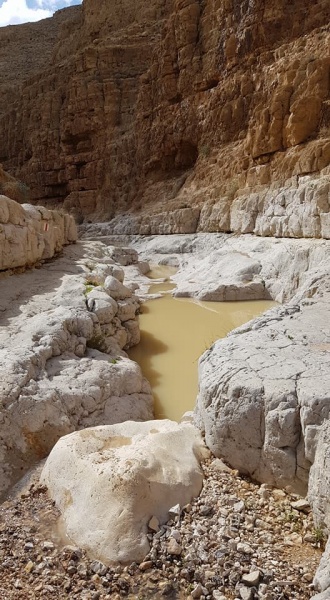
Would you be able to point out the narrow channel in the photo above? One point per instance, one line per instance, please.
(174, 334)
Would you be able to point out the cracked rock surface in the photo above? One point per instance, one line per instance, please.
(62, 363)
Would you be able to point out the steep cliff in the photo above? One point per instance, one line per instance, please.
(189, 115)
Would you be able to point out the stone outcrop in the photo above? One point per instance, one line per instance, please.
(264, 394)
(318, 494)
(224, 267)
(263, 389)
(187, 116)
(62, 363)
(136, 470)
(30, 234)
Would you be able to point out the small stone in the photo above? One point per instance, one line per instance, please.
(28, 546)
(278, 495)
(173, 547)
(239, 506)
(220, 466)
(154, 524)
(72, 569)
(296, 539)
(144, 566)
(244, 548)
(310, 538)
(262, 589)
(216, 595)
(251, 579)
(82, 570)
(176, 535)
(48, 546)
(18, 584)
(197, 591)
(29, 567)
(301, 505)
(98, 567)
(206, 510)
(175, 511)
(246, 593)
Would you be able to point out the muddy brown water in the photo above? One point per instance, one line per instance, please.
(174, 334)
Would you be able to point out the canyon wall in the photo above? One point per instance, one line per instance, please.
(186, 115)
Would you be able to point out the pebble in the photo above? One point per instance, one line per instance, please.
(154, 524)
(251, 579)
(225, 545)
(302, 505)
(175, 511)
(246, 593)
(173, 547)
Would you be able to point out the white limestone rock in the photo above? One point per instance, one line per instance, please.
(223, 276)
(62, 366)
(319, 480)
(108, 482)
(116, 289)
(322, 577)
(102, 305)
(29, 234)
(264, 394)
(217, 263)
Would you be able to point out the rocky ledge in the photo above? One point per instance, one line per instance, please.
(62, 361)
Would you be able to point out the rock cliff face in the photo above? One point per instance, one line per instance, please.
(189, 115)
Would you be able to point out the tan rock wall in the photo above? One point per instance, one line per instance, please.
(29, 233)
(155, 108)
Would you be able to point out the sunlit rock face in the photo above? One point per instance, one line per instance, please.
(193, 118)
(110, 481)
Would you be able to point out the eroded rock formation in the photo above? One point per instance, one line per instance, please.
(62, 363)
(136, 470)
(216, 111)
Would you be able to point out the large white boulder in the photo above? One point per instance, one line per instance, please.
(109, 481)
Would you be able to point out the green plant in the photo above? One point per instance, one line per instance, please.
(96, 342)
(90, 285)
(319, 536)
(291, 517)
(205, 150)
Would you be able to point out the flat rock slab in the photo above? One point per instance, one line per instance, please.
(109, 481)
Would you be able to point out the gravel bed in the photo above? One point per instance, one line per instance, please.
(238, 540)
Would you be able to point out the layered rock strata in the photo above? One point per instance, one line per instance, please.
(188, 116)
(30, 234)
(61, 359)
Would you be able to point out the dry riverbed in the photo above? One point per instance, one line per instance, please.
(237, 540)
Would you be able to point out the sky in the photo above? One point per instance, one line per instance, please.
(21, 11)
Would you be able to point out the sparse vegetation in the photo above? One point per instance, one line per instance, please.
(205, 150)
(320, 537)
